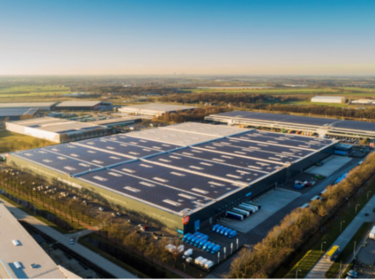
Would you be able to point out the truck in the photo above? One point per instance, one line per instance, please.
(215, 249)
(186, 236)
(254, 203)
(227, 232)
(215, 227)
(205, 245)
(209, 247)
(372, 233)
(218, 229)
(223, 230)
(232, 234)
(333, 253)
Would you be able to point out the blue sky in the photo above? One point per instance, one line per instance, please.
(193, 37)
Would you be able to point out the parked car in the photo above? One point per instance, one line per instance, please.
(71, 241)
(317, 176)
(319, 163)
(101, 208)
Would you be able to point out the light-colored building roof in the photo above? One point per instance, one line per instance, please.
(363, 101)
(328, 98)
(16, 245)
(56, 125)
(160, 107)
(201, 128)
(78, 104)
(187, 134)
(114, 121)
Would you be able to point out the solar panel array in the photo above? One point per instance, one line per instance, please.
(173, 176)
(17, 112)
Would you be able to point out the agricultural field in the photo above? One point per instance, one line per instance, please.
(23, 91)
(273, 91)
(10, 142)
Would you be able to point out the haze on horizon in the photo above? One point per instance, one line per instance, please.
(145, 37)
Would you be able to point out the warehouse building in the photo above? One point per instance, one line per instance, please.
(42, 106)
(186, 175)
(18, 114)
(363, 102)
(154, 109)
(20, 255)
(57, 130)
(321, 126)
(329, 99)
(84, 106)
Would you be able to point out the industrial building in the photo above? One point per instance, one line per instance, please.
(329, 99)
(57, 130)
(186, 175)
(154, 109)
(20, 255)
(117, 122)
(320, 126)
(83, 106)
(18, 114)
(363, 102)
(42, 106)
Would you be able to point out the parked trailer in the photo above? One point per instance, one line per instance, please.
(315, 198)
(234, 216)
(244, 212)
(256, 204)
(247, 208)
(255, 209)
(238, 212)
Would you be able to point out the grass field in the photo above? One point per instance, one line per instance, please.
(33, 91)
(10, 141)
(275, 91)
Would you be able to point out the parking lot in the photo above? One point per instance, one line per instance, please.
(330, 165)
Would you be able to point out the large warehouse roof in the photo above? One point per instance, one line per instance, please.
(154, 109)
(78, 104)
(56, 125)
(185, 166)
(329, 126)
(16, 245)
(17, 112)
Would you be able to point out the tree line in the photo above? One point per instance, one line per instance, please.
(299, 225)
(221, 98)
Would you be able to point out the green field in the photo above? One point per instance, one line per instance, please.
(10, 142)
(33, 91)
(275, 91)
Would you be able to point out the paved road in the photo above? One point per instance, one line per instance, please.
(257, 234)
(95, 258)
(322, 266)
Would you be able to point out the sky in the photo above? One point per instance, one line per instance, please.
(158, 37)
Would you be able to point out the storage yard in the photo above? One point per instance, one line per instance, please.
(298, 124)
(185, 176)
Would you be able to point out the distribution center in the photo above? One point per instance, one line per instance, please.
(183, 175)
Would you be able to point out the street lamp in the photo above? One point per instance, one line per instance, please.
(341, 225)
(297, 272)
(368, 194)
(321, 246)
(356, 208)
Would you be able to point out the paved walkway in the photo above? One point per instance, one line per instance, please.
(323, 265)
(95, 258)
